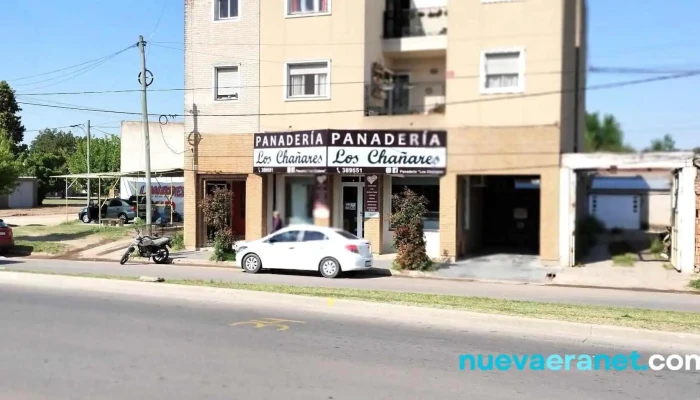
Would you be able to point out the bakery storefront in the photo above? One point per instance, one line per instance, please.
(345, 178)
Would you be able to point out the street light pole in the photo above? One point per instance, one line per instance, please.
(89, 193)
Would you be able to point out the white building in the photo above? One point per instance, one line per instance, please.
(167, 152)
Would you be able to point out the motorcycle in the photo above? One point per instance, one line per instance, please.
(148, 247)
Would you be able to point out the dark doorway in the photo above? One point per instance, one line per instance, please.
(511, 214)
(236, 216)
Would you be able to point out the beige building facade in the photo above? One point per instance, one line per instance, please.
(495, 81)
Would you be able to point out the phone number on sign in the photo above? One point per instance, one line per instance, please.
(349, 170)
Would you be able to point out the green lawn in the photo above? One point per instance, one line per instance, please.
(71, 230)
(33, 239)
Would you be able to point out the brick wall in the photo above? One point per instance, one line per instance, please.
(227, 157)
(212, 43)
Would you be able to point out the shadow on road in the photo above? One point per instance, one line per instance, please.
(370, 274)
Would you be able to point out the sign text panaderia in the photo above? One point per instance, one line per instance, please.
(412, 152)
(290, 152)
(385, 151)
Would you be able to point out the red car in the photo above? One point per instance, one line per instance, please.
(7, 241)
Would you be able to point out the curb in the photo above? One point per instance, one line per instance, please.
(414, 316)
(380, 272)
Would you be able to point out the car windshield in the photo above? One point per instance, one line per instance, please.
(3, 224)
(346, 234)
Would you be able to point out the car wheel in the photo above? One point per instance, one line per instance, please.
(251, 263)
(86, 218)
(329, 267)
(123, 217)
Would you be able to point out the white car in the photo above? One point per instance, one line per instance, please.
(307, 247)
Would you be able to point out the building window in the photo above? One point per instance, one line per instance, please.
(227, 83)
(503, 71)
(428, 188)
(307, 7)
(225, 10)
(298, 195)
(308, 80)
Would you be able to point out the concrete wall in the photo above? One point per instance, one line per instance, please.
(166, 141)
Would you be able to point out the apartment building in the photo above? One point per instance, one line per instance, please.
(324, 109)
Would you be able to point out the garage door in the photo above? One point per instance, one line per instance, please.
(616, 211)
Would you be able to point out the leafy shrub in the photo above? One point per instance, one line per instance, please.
(178, 241)
(222, 245)
(409, 240)
(216, 208)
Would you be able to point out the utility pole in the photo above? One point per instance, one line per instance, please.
(88, 162)
(146, 138)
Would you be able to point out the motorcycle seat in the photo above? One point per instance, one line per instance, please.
(161, 241)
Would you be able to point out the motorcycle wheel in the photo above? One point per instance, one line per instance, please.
(161, 256)
(125, 257)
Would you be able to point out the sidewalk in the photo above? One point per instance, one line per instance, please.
(648, 277)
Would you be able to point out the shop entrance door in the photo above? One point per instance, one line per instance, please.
(353, 207)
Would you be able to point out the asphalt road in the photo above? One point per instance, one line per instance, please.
(553, 294)
(88, 345)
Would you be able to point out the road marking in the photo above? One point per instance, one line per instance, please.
(330, 302)
(265, 322)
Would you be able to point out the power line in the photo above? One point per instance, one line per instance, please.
(613, 70)
(264, 86)
(67, 68)
(611, 85)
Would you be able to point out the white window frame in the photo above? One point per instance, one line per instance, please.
(285, 71)
(521, 73)
(215, 12)
(215, 83)
(287, 14)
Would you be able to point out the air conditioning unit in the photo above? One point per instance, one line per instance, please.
(478, 181)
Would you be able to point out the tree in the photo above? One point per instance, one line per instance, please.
(666, 143)
(605, 135)
(104, 156)
(696, 150)
(10, 121)
(216, 209)
(9, 168)
(409, 240)
(48, 156)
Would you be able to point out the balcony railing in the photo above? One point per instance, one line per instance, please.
(415, 22)
(405, 98)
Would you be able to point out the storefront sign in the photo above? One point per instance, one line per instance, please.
(290, 152)
(371, 196)
(389, 152)
(351, 152)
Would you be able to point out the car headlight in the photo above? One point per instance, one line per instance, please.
(241, 248)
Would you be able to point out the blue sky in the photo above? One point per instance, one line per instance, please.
(53, 35)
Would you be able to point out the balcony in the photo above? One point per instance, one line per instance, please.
(415, 31)
(405, 98)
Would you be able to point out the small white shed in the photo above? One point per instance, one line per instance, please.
(24, 196)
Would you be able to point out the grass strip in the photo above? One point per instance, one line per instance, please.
(671, 321)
